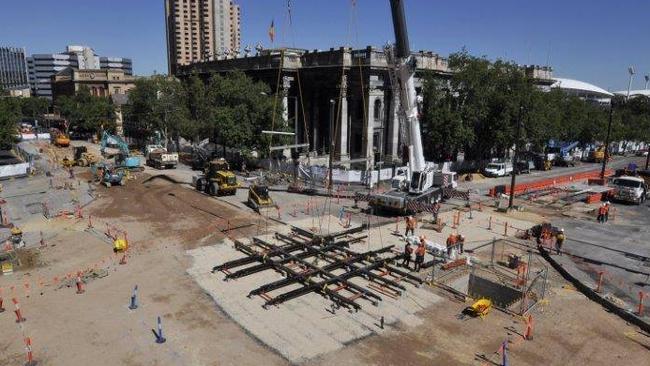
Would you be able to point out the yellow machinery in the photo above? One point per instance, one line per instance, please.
(84, 158)
(481, 307)
(120, 245)
(62, 140)
(258, 198)
(218, 179)
(597, 155)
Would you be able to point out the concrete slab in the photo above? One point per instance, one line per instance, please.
(302, 328)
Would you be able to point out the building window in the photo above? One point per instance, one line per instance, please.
(377, 110)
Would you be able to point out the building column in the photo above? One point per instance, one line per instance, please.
(286, 84)
(393, 129)
(344, 153)
(370, 131)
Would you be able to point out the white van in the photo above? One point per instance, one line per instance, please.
(498, 169)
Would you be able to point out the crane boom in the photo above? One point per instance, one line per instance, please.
(405, 70)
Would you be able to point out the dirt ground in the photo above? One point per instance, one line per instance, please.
(163, 220)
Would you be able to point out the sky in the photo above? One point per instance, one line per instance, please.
(589, 40)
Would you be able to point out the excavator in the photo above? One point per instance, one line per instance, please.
(426, 182)
(123, 159)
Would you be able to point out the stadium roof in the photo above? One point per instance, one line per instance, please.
(581, 87)
(634, 93)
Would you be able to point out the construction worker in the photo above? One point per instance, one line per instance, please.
(451, 243)
(607, 207)
(410, 225)
(408, 253)
(419, 255)
(461, 243)
(559, 241)
(602, 210)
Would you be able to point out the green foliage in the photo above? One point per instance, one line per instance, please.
(477, 111)
(86, 112)
(10, 114)
(231, 110)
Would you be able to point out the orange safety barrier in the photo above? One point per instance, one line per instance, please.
(522, 187)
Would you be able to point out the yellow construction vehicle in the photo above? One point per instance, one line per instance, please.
(597, 155)
(218, 179)
(62, 140)
(66, 163)
(84, 158)
(259, 199)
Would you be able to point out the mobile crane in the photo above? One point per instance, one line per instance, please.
(426, 181)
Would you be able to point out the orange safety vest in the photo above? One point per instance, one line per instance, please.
(410, 223)
(420, 250)
(451, 240)
(602, 210)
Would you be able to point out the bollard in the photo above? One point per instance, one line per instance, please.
(505, 229)
(640, 310)
(28, 349)
(599, 287)
(529, 329)
(80, 287)
(134, 299)
(160, 339)
(19, 315)
(504, 354)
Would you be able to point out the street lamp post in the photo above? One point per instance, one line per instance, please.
(630, 70)
(647, 79)
(609, 131)
(511, 201)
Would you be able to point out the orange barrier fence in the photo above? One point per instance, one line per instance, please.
(549, 182)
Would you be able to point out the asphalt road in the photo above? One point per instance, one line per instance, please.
(484, 185)
(620, 248)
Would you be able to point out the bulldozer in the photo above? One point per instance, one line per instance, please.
(259, 199)
(217, 179)
(84, 158)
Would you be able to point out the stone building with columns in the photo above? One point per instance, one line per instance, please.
(363, 119)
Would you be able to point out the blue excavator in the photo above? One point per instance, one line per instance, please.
(123, 159)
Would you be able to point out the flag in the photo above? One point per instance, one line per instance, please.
(272, 31)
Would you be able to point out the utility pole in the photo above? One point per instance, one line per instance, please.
(647, 158)
(332, 143)
(511, 202)
(609, 131)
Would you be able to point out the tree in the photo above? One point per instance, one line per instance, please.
(85, 112)
(158, 103)
(10, 114)
(240, 109)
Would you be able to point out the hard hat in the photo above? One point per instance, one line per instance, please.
(421, 237)
(562, 230)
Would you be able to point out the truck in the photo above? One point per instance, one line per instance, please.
(629, 189)
(158, 157)
(498, 169)
(426, 182)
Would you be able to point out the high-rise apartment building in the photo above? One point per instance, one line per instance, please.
(13, 68)
(43, 66)
(200, 30)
